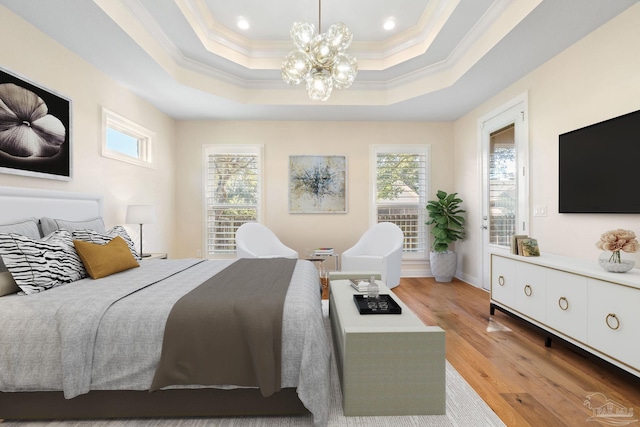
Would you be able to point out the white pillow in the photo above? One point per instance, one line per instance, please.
(49, 225)
(38, 265)
(27, 227)
(106, 237)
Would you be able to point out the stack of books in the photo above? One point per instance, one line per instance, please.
(524, 245)
(360, 285)
(323, 251)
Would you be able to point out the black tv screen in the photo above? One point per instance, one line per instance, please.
(600, 167)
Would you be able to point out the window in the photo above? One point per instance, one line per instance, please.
(232, 193)
(503, 186)
(125, 140)
(401, 193)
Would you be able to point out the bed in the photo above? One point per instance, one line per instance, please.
(90, 348)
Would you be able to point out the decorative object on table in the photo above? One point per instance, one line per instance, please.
(323, 251)
(360, 285)
(35, 136)
(528, 247)
(385, 305)
(141, 214)
(613, 242)
(317, 184)
(319, 59)
(373, 294)
(514, 242)
(448, 226)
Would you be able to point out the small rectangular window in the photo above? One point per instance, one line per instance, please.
(125, 140)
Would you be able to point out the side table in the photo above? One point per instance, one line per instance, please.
(156, 255)
(336, 259)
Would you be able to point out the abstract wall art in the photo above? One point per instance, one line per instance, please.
(317, 184)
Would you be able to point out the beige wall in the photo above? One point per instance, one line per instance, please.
(50, 65)
(281, 139)
(595, 79)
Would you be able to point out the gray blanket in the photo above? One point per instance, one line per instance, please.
(229, 329)
(106, 334)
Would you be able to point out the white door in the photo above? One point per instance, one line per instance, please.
(505, 183)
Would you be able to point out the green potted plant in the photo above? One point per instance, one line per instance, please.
(448, 226)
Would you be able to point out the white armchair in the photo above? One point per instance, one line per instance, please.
(254, 240)
(379, 249)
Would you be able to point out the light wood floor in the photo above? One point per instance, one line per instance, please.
(524, 382)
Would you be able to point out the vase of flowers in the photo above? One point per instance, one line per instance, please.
(614, 242)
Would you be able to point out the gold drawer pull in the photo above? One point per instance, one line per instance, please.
(563, 304)
(501, 280)
(528, 291)
(612, 316)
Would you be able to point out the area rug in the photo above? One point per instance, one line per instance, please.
(464, 408)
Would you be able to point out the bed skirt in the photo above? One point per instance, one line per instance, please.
(204, 402)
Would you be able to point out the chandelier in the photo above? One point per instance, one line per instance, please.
(320, 60)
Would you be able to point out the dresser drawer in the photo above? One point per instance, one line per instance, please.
(503, 280)
(531, 290)
(567, 304)
(614, 321)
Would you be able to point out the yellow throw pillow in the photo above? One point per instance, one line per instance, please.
(104, 260)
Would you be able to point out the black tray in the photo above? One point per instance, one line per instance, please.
(363, 305)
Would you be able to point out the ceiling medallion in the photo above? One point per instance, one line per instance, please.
(320, 59)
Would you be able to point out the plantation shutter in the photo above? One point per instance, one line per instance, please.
(401, 190)
(232, 194)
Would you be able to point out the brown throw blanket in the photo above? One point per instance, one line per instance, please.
(229, 329)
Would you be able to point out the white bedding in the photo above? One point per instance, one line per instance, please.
(107, 334)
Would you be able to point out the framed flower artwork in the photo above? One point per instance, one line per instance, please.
(35, 129)
(317, 184)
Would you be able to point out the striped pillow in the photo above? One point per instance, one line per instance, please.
(103, 238)
(38, 265)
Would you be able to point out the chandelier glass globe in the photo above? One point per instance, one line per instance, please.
(296, 67)
(322, 51)
(302, 33)
(339, 36)
(344, 70)
(319, 84)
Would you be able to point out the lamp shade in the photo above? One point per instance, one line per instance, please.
(141, 214)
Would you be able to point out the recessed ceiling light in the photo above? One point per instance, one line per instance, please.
(242, 23)
(389, 24)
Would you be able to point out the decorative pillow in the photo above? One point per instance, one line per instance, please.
(49, 225)
(104, 260)
(106, 237)
(7, 284)
(38, 265)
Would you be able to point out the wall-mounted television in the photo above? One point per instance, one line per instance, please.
(599, 167)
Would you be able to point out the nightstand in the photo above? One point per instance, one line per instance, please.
(156, 255)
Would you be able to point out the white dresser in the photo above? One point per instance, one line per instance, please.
(575, 300)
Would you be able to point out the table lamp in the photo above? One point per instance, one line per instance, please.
(141, 214)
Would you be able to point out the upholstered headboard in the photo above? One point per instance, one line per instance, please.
(20, 203)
